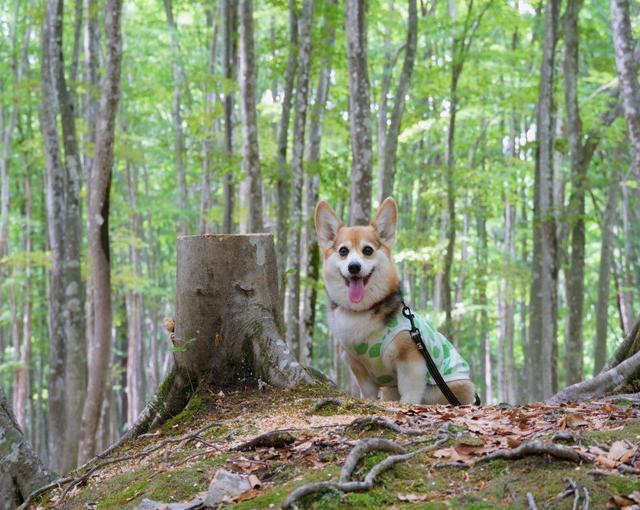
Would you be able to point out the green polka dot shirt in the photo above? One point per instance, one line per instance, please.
(370, 352)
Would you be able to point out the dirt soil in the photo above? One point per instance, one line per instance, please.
(605, 435)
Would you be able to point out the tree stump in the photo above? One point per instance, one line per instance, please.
(21, 471)
(228, 327)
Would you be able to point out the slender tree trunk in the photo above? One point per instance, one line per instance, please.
(100, 349)
(22, 380)
(282, 188)
(295, 224)
(312, 256)
(506, 311)
(544, 271)
(604, 278)
(359, 112)
(483, 302)
(250, 150)
(210, 131)
(574, 344)
(179, 80)
(66, 322)
(135, 313)
(627, 72)
(404, 80)
(229, 64)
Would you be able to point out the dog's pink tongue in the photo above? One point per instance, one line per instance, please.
(356, 290)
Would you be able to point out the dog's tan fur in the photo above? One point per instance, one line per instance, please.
(352, 322)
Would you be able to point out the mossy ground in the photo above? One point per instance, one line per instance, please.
(180, 470)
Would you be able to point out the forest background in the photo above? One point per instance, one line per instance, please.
(499, 127)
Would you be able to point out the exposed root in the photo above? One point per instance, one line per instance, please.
(376, 421)
(179, 439)
(320, 404)
(273, 439)
(361, 448)
(531, 502)
(364, 447)
(535, 447)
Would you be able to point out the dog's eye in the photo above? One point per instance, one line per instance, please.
(367, 250)
(344, 251)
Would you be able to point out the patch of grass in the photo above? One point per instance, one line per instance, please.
(630, 431)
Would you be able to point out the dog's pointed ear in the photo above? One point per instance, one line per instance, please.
(386, 220)
(327, 224)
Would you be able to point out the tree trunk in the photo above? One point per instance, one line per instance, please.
(67, 351)
(604, 278)
(506, 311)
(21, 471)
(22, 377)
(100, 349)
(134, 311)
(282, 188)
(229, 64)
(574, 344)
(544, 271)
(404, 80)
(359, 112)
(228, 323)
(250, 151)
(627, 72)
(312, 252)
(179, 81)
(292, 311)
(209, 144)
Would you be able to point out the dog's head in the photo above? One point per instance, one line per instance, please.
(358, 267)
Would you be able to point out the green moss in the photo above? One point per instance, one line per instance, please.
(630, 431)
(197, 405)
(624, 484)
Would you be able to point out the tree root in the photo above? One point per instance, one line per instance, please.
(623, 365)
(362, 448)
(376, 421)
(320, 404)
(535, 447)
(273, 439)
(183, 439)
(531, 502)
(373, 444)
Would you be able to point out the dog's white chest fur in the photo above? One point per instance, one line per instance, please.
(351, 328)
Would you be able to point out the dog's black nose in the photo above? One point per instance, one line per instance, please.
(354, 267)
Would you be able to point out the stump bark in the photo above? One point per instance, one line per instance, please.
(21, 471)
(228, 328)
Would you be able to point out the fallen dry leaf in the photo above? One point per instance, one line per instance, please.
(413, 498)
(572, 421)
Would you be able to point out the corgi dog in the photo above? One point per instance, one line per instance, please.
(363, 287)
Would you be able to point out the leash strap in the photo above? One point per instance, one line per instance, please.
(431, 365)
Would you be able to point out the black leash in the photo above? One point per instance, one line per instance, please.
(431, 365)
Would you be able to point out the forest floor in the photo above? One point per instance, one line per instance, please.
(601, 437)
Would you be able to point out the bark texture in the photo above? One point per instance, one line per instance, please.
(604, 278)
(21, 471)
(574, 344)
(228, 319)
(100, 348)
(627, 72)
(67, 351)
(282, 189)
(229, 65)
(297, 178)
(179, 81)
(250, 151)
(543, 303)
(388, 165)
(359, 112)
